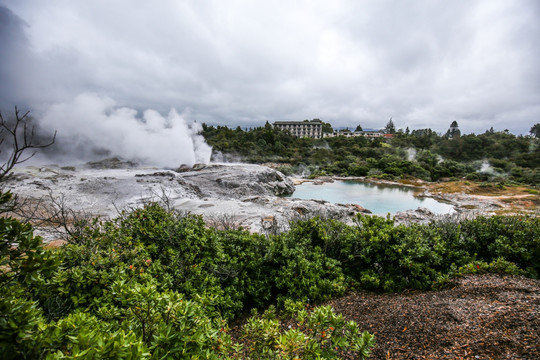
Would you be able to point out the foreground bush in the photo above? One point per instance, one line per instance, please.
(159, 284)
(150, 284)
(316, 334)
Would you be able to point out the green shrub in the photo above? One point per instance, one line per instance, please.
(20, 321)
(156, 284)
(301, 270)
(316, 334)
(81, 335)
(21, 252)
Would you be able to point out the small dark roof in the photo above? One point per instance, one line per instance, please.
(297, 122)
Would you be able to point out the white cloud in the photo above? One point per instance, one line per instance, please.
(425, 63)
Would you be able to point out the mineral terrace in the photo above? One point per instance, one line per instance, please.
(250, 196)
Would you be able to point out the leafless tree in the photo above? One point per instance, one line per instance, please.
(161, 196)
(222, 221)
(21, 138)
(52, 215)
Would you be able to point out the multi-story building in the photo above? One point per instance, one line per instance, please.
(367, 134)
(306, 128)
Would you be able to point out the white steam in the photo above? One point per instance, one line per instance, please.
(93, 127)
(487, 168)
(411, 154)
(322, 145)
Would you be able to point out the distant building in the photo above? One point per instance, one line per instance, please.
(306, 128)
(368, 134)
(313, 129)
(371, 134)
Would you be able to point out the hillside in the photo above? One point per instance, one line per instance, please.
(492, 156)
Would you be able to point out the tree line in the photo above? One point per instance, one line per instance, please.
(420, 153)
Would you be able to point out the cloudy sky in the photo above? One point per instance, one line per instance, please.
(424, 63)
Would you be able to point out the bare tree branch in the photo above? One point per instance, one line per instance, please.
(22, 140)
(222, 221)
(52, 215)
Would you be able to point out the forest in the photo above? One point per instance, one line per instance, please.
(496, 156)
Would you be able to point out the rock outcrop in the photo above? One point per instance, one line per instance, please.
(237, 181)
(212, 190)
(111, 163)
(420, 215)
(251, 196)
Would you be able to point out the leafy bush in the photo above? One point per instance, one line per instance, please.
(303, 272)
(20, 320)
(378, 255)
(155, 283)
(21, 252)
(81, 335)
(311, 334)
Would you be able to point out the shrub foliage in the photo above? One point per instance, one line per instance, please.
(155, 283)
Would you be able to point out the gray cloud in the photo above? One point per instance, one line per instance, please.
(239, 63)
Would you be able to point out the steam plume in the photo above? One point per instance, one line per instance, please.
(411, 154)
(92, 127)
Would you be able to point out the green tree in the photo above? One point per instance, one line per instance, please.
(453, 131)
(327, 128)
(359, 128)
(390, 128)
(535, 130)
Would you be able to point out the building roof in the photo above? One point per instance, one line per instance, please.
(315, 122)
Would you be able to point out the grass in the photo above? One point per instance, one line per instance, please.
(483, 189)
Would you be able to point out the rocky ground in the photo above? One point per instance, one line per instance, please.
(229, 195)
(486, 198)
(476, 317)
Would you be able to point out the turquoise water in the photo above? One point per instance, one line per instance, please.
(379, 199)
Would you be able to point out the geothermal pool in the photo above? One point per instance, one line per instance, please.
(379, 199)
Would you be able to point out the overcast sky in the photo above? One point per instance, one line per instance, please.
(424, 63)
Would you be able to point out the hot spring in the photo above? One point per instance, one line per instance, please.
(379, 199)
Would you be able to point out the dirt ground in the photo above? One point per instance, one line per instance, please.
(476, 317)
(507, 199)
